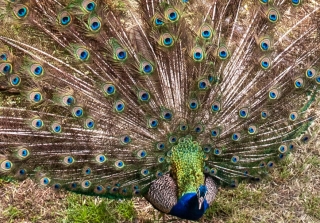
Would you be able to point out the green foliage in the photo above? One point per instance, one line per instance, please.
(96, 210)
(12, 213)
(312, 205)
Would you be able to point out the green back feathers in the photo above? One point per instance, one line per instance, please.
(187, 162)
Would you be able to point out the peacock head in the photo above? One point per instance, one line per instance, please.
(201, 195)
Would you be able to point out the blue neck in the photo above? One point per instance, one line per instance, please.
(188, 207)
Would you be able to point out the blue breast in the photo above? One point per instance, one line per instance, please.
(188, 207)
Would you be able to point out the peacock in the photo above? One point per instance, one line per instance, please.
(169, 99)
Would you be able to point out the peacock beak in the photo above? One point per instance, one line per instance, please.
(200, 202)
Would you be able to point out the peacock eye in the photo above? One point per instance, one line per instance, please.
(94, 24)
(77, 112)
(64, 18)
(88, 5)
(273, 15)
(15, 80)
(82, 54)
(20, 11)
(143, 96)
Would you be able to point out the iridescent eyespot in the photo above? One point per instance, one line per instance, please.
(94, 24)
(252, 129)
(82, 54)
(4, 57)
(142, 153)
(45, 181)
(264, 1)
(296, 2)
(183, 127)
(236, 136)
(265, 63)
(145, 172)
(35, 97)
(274, 94)
(20, 11)
(216, 107)
(235, 159)
(206, 32)
(88, 5)
(270, 164)
(206, 148)
(172, 15)
(158, 21)
(87, 170)
(311, 72)
(15, 80)
(23, 153)
(68, 160)
(305, 138)
(213, 172)
(119, 164)
(109, 89)
(36, 70)
(99, 189)
(6, 165)
(56, 127)
(293, 116)
(198, 54)
(264, 114)
(146, 68)
(121, 54)
(101, 158)
(291, 147)
(37, 123)
(153, 123)
(223, 52)
(64, 18)
(265, 44)
(283, 149)
(193, 104)
(159, 174)
(161, 159)
(73, 186)
(203, 84)
(198, 129)
(215, 132)
(273, 15)
(166, 114)
(317, 79)
(298, 83)
(119, 106)
(143, 96)
(217, 151)
(89, 123)
(281, 156)
(262, 164)
(125, 139)
(173, 139)
(5, 68)
(68, 100)
(244, 113)
(85, 184)
(160, 146)
(166, 40)
(77, 112)
(57, 186)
